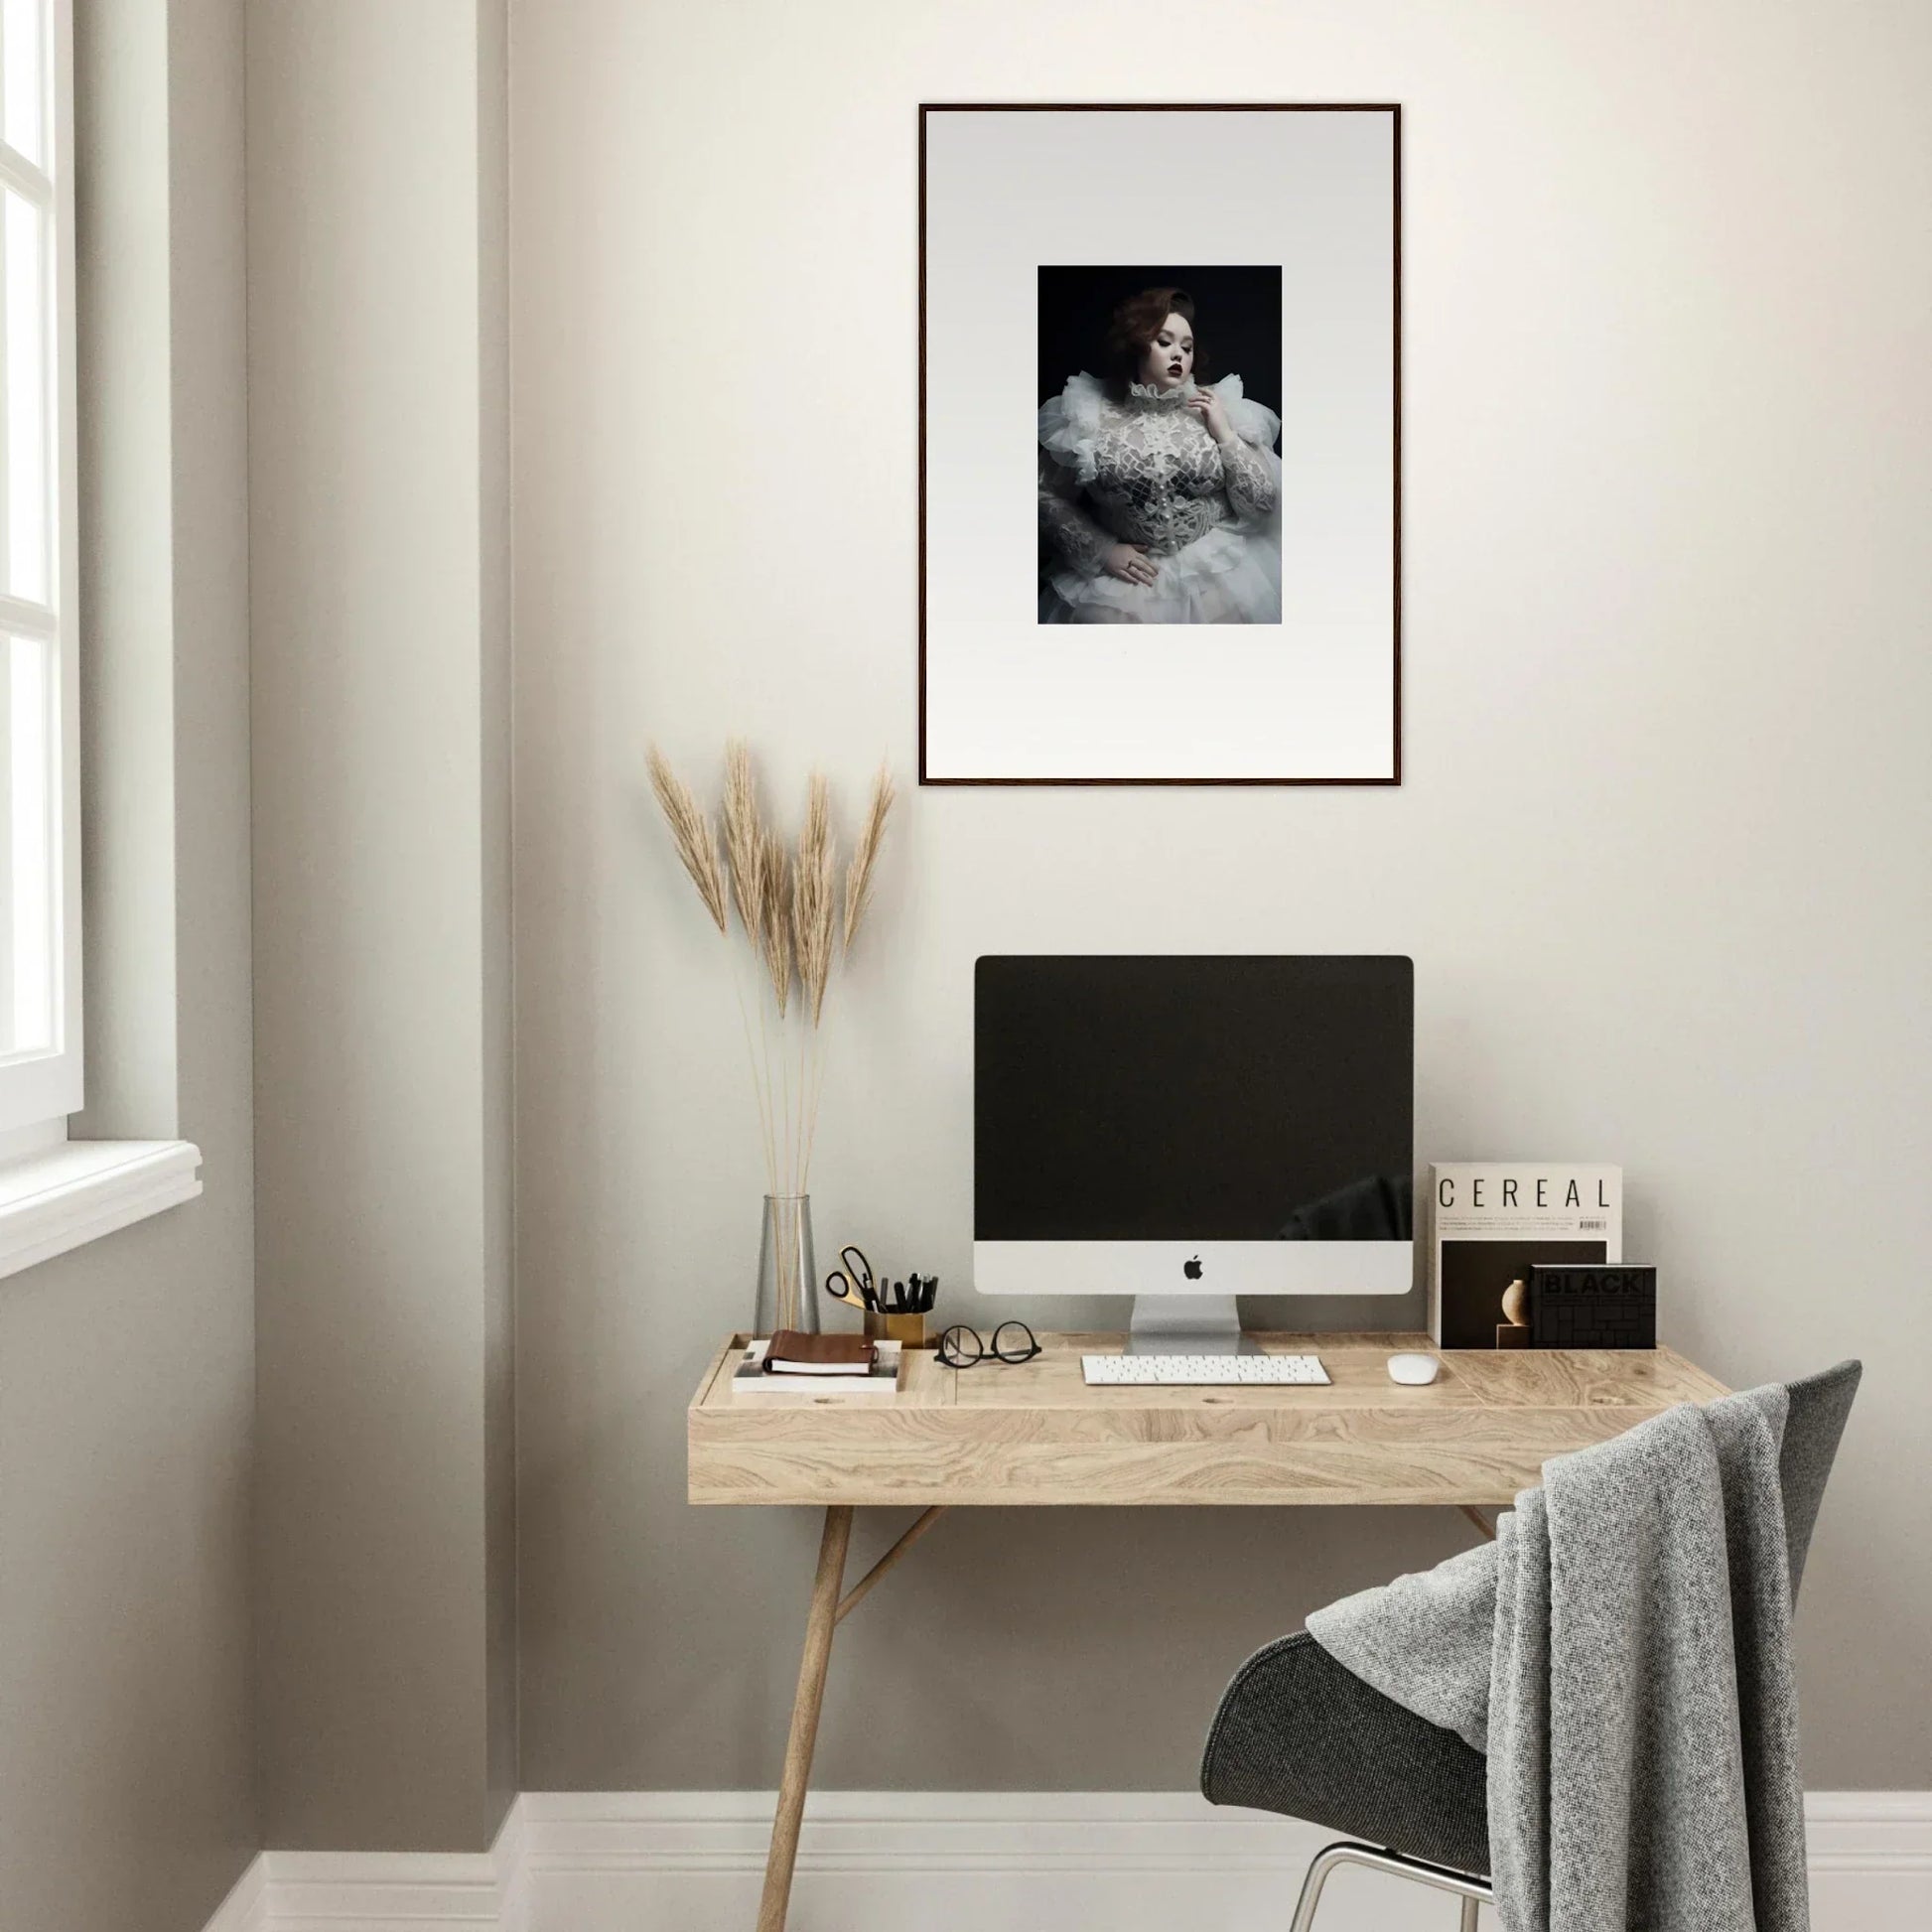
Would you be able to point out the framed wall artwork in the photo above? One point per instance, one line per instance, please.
(1160, 364)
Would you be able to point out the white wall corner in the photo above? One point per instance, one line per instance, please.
(955, 1862)
(378, 1891)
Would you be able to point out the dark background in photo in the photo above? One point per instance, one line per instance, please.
(1475, 1274)
(1237, 322)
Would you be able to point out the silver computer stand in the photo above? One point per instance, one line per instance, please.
(1186, 1324)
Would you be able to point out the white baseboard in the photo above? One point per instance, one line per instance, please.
(386, 1891)
(1869, 1854)
(955, 1862)
(245, 1909)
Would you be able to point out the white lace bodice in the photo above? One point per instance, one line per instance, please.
(1143, 469)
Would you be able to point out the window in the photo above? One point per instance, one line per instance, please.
(56, 1194)
(40, 823)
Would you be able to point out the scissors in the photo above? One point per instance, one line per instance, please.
(852, 1281)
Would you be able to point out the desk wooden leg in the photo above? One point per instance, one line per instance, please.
(856, 1595)
(819, 1621)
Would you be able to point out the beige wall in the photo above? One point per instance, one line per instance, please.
(1660, 857)
(127, 1799)
(378, 463)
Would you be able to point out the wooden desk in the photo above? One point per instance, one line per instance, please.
(1032, 1434)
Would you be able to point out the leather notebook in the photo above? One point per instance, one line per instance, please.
(794, 1354)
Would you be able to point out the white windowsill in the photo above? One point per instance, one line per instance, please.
(77, 1191)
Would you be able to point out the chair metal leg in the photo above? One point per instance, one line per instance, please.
(1324, 1863)
(1471, 1891)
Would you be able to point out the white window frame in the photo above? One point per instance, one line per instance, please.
(55, 1192)
(39, 1090)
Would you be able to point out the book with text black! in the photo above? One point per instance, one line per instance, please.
(1491, 1220)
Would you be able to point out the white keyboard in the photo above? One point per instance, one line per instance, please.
(1201, 1371)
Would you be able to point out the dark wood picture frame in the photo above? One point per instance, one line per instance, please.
(1394, 110)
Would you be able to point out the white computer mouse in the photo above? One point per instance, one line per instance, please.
(1412, 1370)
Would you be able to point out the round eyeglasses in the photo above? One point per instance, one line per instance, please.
(1013, 1341)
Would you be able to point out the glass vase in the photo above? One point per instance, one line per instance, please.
(787, 1272)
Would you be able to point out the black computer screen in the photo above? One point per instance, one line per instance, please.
(1231, 1098)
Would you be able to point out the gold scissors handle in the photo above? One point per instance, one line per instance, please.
(852, 1281)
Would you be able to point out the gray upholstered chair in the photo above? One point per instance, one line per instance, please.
(1297, 1733)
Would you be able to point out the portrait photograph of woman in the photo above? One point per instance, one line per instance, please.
(1159, 478)
(1159, 494)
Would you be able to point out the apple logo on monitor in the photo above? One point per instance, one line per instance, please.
(1192, 1269)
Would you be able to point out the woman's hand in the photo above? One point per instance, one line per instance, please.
(1128, 562)
(1209, 407)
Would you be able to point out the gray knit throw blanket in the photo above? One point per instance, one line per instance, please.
(1622, 1652)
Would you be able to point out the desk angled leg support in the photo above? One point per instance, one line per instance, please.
(857, 1594)
(819, 1621)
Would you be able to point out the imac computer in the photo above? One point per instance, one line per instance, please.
(1184, 1130)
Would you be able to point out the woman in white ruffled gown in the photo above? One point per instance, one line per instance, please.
(1160, 499)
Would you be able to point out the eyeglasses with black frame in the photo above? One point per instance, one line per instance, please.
(1013, 1341)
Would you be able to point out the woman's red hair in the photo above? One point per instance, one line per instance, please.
(1138, 321)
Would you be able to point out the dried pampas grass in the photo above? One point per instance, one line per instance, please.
(744, 839)
(691, 834)
(788, 907)
(812, 896)
(774, 920)
(872, 835)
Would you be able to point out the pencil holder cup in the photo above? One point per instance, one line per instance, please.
(908, 1330)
